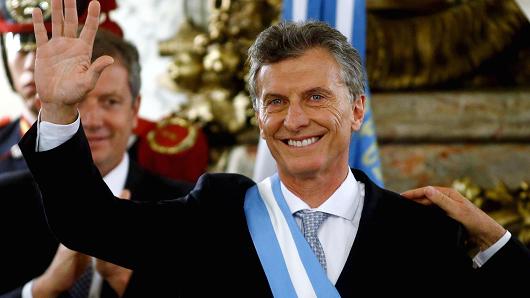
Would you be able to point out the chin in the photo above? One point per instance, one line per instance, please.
(303, 169)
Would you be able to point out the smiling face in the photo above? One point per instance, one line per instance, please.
(305, 115)
(109, 115)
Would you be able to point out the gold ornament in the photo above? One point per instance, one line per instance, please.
(417, 44)
(180, 146)
(210, 67)
(20, 10)
(510, 208)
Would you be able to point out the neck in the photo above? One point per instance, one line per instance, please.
(105, 168)
(314, 190)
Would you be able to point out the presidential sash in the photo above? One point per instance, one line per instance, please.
(291, 267)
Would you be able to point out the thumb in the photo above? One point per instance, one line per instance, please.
(97, 67)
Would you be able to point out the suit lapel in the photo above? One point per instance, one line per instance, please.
(345, 284)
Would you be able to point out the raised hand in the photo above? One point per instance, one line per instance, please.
(63, 69)
(482, 229)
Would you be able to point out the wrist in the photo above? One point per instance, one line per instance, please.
(58, 113)
(490, 237)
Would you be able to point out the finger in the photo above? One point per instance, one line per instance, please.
(450, 192)
(41, 35)
(417, 195)
(125, 194)
(57, 18)
(70, 18)
(97, 68)
(414, 194)
(439, 198)
(91, 23)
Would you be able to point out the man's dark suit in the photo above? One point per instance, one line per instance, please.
(28, 245)
(400, 246)
(10, 134)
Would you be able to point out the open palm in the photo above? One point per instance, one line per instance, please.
(63, 69)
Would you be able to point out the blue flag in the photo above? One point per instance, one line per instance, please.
(349, 17)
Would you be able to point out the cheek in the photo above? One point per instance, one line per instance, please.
(123, 124)
(337, 117)
(271, 123)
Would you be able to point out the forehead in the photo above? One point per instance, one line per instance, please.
(114, 79)
(315, 68)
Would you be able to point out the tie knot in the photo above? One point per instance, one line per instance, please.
(311, 220)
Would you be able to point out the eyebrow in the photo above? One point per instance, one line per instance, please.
(273, 95)
(114, 95)
(325, 91)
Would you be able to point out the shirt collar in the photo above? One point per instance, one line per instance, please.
(115, 179)
(343, 202)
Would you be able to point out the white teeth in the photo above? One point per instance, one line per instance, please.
(302, 143)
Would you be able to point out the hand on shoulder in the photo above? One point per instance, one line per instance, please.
(483, 230)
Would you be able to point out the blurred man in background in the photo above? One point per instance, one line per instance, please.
(34, 264)
(173, 149)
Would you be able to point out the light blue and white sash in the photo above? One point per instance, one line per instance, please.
(291, 267)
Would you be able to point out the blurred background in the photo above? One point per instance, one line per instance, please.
(449, 87)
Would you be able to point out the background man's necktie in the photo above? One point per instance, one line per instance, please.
(311, 221)
(81, 287)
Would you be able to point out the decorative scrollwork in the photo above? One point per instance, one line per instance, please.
(509, 207)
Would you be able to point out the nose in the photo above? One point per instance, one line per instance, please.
(296, 117)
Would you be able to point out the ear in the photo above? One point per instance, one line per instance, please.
(260, 125)
(358, 110)
(136, 109)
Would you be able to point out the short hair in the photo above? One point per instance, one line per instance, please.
(108, 43)
(292, 39)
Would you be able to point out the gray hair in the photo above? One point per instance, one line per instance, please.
(289, 40)
(107, 43)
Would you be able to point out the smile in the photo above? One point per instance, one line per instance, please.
(303, 143)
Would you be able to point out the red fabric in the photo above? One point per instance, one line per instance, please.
(106, 7)
(4, 120)
(187, 165)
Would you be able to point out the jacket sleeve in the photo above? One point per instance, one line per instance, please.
(85, 216)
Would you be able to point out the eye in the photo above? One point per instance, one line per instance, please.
(316, 97)
(275, 101)
(111, 102)
(273, 104)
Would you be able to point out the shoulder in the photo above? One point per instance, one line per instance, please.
(145, 185)
(396, 212)
(17, 179)
(225, 181)
(9, 126)
(222, 187)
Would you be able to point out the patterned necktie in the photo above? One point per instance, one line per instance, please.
(311, 221)
(81, 287)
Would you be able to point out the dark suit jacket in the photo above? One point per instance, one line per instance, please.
(401, 246)
(29, 246)
(10, 134)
